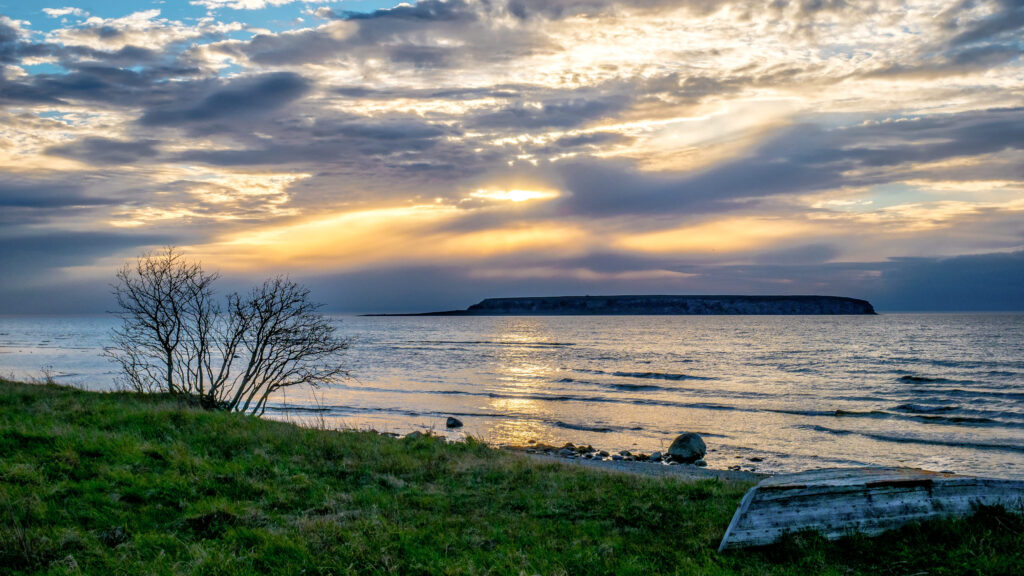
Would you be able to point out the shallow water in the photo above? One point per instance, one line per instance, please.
(944, 392)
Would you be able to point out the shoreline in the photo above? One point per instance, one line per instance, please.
(637, 468)
(628, 463)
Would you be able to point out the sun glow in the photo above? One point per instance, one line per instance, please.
(362, 238)
(514, 195)
(729, 235)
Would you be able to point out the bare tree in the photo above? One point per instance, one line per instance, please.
(161, 299)
(175, 338)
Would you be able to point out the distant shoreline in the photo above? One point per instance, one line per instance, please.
(660, 305)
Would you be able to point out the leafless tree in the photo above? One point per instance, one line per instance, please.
(175, 338)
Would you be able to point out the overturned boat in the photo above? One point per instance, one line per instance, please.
(841, 501)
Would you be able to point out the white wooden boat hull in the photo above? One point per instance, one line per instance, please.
(840, 501)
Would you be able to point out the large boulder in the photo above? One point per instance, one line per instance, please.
(687, 447)
(453, 422)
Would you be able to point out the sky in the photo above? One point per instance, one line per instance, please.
(413, 157)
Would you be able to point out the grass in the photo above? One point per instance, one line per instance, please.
(125, 484)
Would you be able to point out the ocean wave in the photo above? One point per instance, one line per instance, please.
(923, 409)
(511, 343)
(921, 379)
(648, 375)
(834, 413)
(914, 439)
(637, 387)
(584, 427)
(969, 420)
(968, 393)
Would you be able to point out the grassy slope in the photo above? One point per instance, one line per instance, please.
(123, 484)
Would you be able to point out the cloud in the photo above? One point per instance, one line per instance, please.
(97, 150)
(69, 248)
(145, 29)
(249, 4)
(673, 150)
(66, 11)
(239, 98)
(1005, 18)
(795, 160)
(28, 201)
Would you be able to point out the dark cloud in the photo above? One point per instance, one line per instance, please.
(358, 145)
(54, 249)
(1005, 20)
(241, 98)
(800, 159)
(958, 60)
(499, 91)
(561, 9)
(40, 288)
(984, 282)
(807, 254)
(106, 151)
(27, 201)
(558, 114)
(422, 11)
(428, 35)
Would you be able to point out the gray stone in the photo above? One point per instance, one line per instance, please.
(700, 463)
(453, 422)
(687, 447)
(566, 452)
(656, 456)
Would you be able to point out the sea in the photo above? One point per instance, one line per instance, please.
(777, 394)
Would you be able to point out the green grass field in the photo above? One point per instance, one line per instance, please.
(126, 484)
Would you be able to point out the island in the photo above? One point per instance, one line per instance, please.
(659, 305)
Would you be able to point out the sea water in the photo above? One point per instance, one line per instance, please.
(776, 393)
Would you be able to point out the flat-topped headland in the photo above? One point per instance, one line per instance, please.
(659, 305)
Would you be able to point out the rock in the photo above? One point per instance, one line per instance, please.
(736, 468)
(566, 452)
(687, 447)
(700, 463)
(414, 435)
(625, 453)
(453, 422)
(756, 459)
(569, 446)
(655, 457)
(617, 456)
(603, 453)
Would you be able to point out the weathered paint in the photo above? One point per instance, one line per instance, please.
(840, 501)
